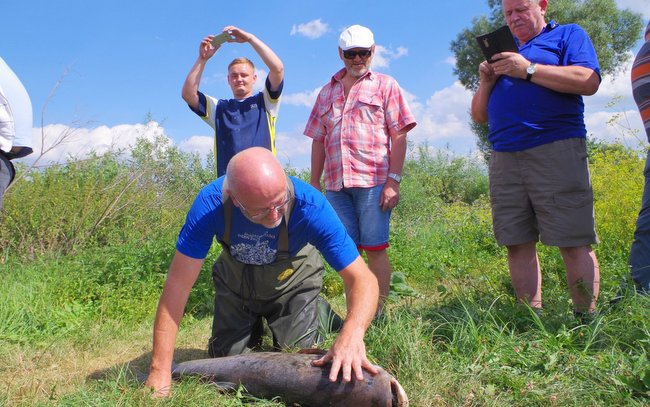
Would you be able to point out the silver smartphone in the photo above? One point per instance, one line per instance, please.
(220, 39)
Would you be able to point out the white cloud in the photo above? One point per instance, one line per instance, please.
(60, 142)
(301, 98)
(294, 149)
(639, 6)
(312, 30)
(450, 60)
(611, 114)
(443, 122)
(201, 145)
(261, 79)
(79, 143)
(383, 56)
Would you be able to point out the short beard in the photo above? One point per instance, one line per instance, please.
(356, 74)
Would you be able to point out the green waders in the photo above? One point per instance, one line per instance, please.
(285, 293)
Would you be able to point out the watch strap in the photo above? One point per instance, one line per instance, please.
(396, 177)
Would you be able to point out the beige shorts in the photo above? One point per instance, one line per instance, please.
(543, 193)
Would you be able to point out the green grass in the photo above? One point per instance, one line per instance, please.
(76, 314)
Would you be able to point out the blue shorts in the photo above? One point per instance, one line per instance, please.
(362, 216)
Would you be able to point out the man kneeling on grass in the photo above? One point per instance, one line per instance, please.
(271, 228)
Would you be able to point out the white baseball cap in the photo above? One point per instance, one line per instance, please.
(356, 36)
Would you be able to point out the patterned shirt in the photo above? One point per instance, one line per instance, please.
(356, 132)
(641, 81)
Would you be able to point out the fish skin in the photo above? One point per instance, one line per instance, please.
(292, 377)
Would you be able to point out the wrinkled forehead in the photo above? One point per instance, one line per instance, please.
(513, 4)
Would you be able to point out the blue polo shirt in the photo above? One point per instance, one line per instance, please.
(521, 114)
(312, 220)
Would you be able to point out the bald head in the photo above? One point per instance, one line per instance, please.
(256, 175)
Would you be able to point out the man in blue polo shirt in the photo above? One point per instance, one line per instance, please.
(539, 177)
(246, 120)
(270, 227)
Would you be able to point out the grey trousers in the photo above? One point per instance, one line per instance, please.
(6, 175)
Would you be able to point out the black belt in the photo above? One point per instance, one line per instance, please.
(18, 152)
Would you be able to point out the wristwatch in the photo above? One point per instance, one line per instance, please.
(530, 71)
(396, 177)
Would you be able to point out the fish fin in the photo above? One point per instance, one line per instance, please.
(224, 387)
(400, 399)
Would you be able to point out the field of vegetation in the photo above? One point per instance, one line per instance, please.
(85, 246)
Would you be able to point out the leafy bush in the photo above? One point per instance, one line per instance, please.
(101, 200)
(85, 249)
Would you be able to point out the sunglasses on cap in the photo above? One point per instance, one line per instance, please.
(364, 53)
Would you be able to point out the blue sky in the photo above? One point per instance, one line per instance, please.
(120, 61)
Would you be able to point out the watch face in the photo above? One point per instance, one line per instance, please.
(531, 69)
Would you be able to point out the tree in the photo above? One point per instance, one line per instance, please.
(612, 31)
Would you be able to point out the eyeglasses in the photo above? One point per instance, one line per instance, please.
(280, 208)
(364, 53)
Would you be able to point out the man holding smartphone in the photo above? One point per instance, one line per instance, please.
(247, 120)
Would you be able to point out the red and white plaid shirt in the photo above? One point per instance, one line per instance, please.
(356, 132)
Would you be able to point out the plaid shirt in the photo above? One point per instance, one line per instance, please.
(356, 132)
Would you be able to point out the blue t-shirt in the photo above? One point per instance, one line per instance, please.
(241, 124)
(312, 220)
(521, 114)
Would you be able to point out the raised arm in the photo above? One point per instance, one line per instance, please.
(271, 60)
(182, 275)
(348, 353)
(191, 85)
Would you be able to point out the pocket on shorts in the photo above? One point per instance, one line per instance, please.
(573, 199)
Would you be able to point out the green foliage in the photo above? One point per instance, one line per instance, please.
(613, 32)
(101, 200)
(442, 175)
(454, 336)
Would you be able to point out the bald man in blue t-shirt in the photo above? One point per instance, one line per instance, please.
(271, 228)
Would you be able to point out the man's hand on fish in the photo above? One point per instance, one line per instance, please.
(347, 355)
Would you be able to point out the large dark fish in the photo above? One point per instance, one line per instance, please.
(292, 377)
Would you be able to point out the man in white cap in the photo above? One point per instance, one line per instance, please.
(361, 144)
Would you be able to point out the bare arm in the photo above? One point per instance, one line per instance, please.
(573, 79)
(271, 60)
(390, 192)
(487, 79)
(317, 163)
(191, 85)
(182, 275)
(348, 353)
